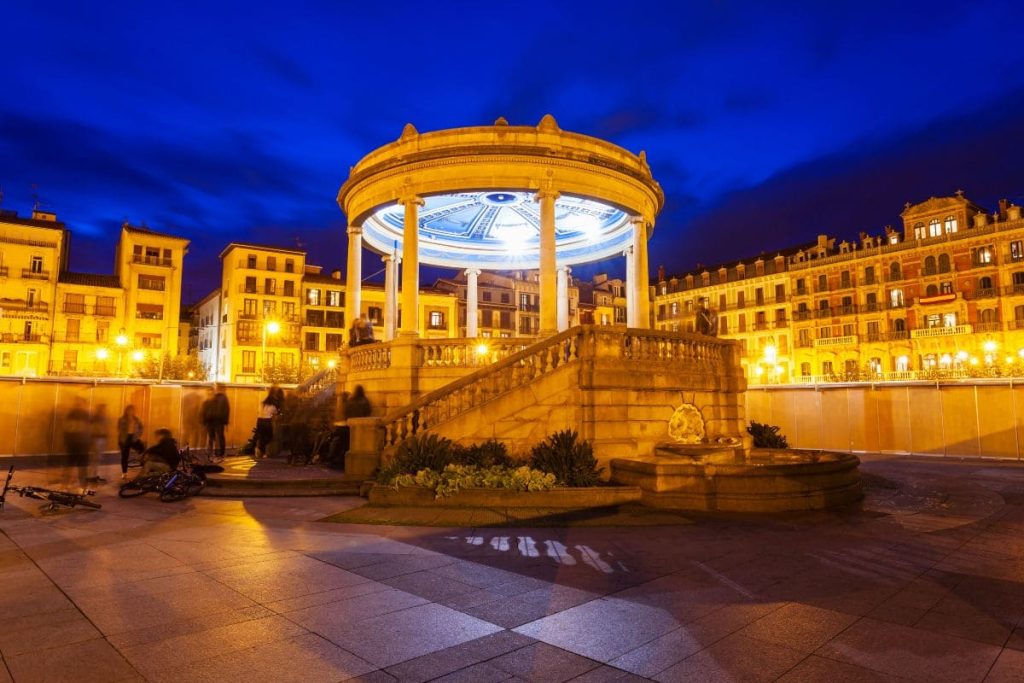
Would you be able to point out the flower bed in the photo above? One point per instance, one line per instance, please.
(559, 498)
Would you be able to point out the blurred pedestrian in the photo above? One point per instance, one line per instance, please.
(163, 456)
(269, 409)
(77, 437)
(216, 412)
(129, 437)
(99, 426)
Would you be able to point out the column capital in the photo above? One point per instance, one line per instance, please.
(546, 193)
(564, 269)
(389, 258)
(407, 199)
(355, 230)
(472, 271)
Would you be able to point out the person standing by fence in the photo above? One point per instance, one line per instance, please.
(129, 437)
(99, 425)
(216, 412)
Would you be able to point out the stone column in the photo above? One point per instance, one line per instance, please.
(471, 303)
(643, 285)
(631, 277)
(354, 274)
(563, 298)
(391, 262)
(410, 266)
(548, 295)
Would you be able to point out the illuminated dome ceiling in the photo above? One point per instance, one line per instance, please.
(500, 229)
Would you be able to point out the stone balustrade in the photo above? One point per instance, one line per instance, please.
(370, 357)
(468, 353)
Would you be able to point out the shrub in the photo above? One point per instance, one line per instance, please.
(454, 477)
(428, 452)
(767, 436)
(571, 460)
(490, 453)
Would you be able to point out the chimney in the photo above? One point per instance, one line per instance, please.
(980, 219)
(1003, 205)
(38, 215)
(1013, 213)
(336, 273)
(661, 273)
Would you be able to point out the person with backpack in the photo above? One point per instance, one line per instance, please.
(216, 411)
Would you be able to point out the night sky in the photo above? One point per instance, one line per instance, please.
(766, 123)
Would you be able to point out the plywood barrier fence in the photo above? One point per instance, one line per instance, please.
(32, 411)
(963, 419)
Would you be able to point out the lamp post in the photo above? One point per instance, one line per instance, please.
(270, 327)
(121, 340)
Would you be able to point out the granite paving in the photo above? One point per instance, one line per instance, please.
(921, 582)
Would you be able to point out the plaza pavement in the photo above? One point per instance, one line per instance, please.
(924, 583)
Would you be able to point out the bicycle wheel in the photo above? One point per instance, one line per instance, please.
(133, 488)
(88, 504)
(173, 492)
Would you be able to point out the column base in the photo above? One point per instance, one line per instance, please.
(546, 333)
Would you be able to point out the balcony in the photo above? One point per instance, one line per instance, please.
(529, 308)
(846, 310)
(819, 288)
(804, 343)
(898, 304)
(149, 315)
(995, 326)
(849, 340)
(35, 274)
(781, 324)
(150, 260)
(823, 313)
(893, 277)
(107, 311)
(1014, 290)
(780, 298)
(872, 307)
(926, 332)
(74, 308)
(1015, 325)
(248, 315)
(14, 338)
(848, 284)
(247, 289)
(801, 291)
(761, 325)
(986, 293)
(801, 315)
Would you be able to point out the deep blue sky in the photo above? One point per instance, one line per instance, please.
(765, 122)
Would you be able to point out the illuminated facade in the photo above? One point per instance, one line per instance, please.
(277, 317)
(59, 322)
(944, 296)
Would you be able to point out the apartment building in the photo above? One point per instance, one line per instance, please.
(61, 322)
(942, 295)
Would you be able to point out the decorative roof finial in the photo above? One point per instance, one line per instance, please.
(548, 124)
(409, 132)
(501, 121)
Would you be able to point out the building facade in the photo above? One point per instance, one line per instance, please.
(59, 322)
(944, 296)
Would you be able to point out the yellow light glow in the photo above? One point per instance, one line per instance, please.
(138, 355)
(758, 371)
(770, 354)
(482, 349)
(121, 340)
(102, 354)
(1020, 353)
(778, 369)
(990, 346)
(1009, 360)
(191, 375)
(273, 327)
(332, 363)
(974, 360)
(962, 355)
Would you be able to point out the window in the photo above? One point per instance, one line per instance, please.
(894, 238)
(759, 296)
(674, 308)
(894, 270)
(873, 330)
(929, 361)
(780, 293)
(933, 320)
(313, 297)
(801, 286)
(896, 298)
(30, 298)
(902, 364)
(315, 318)
(271, 263)
(333, 342)
(102, 331)
(985, 284)
(334, 298)
(983, 255)
(250, 285)
(289, 265)
(247, 331)
(289, 288)
(826, 368)
(950, 224)
(822, 283)
(335, 319)
(899, 325)
(486, 295)
(268, 359)
(1018, 313)
(851, 367)
(288, 309)
(153, 282)
(436, 320)
(876, 366)
(869, 275)
(248, 361)
(844, 279)
(1017, 250)
(70, 359)
(74, 327)
(933, 228)
(374, 315)
(28, 331)
(269, 308)
(505, 297)
(944, 264)
(149, 311)
(37, 264)
(312, 341)
(804, 338)
(988, 315)
(929, 266)
(249, 308)
(105, 305)
(74, 303)
(823, 305)
(805, 369)
(250, 261)
(949, 319)
(721, 302)
(931, 290)
(919, 231)
(270, 286)
(872, 301)
(848, 330)
(723, 325)
(825, 333)
(946, 287)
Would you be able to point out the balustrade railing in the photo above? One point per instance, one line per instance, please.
(370, 357)
(467, 353)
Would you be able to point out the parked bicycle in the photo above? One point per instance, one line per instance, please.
(54, 498)
(188, 479)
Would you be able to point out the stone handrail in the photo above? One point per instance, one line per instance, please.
(318, 382)
(375, 356)
(692, 351)
(464, 353)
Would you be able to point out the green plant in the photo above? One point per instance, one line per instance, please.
(452, 478)
(490, 453)
(767, 436)
(426, 452)
(567, 457)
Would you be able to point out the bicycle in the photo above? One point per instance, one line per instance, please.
(188, 480)
(54, 498)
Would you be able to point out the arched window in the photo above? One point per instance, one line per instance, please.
(988, 315)
(934, 230)
(951, 225)
(902, 364)
(899, 325)
(929, 265)
(931, 290)
(919, 232)
(894, 270)
(896, 298)
(985, 283)
(944, 263)
(822, 283)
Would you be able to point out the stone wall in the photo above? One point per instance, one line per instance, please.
(968, 418)
(33, 409)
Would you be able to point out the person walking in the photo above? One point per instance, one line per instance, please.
(129, 437)
(77, 438)
(269, 408)
(216, 413)
(99, 425)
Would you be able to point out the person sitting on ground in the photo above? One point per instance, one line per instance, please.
(162, 456)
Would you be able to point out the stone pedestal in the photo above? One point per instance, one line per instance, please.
(366, 440)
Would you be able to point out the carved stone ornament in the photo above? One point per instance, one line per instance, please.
(686, 424)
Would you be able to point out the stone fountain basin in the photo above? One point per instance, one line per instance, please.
(730, 479)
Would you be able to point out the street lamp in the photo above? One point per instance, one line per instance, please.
(270, 327)
(121, 340)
